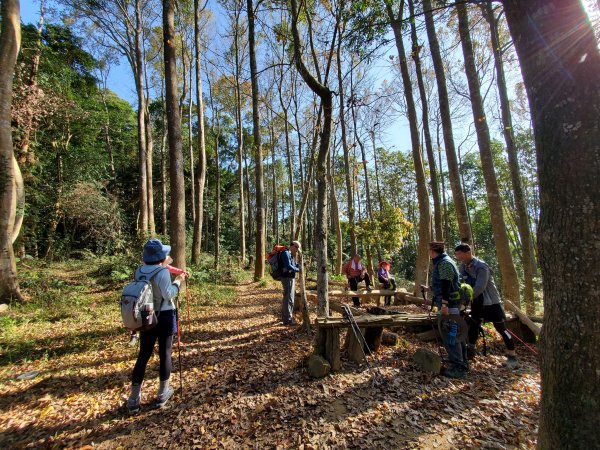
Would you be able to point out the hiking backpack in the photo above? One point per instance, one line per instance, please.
(466, 295)
(137, 303)
(275, 263)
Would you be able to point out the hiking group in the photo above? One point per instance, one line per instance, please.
(148, 306)
(459, 328)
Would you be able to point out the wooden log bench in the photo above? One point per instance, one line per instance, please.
(328, 334)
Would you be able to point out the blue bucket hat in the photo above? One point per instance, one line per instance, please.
(155, 251)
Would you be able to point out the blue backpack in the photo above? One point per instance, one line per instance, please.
(137, 303)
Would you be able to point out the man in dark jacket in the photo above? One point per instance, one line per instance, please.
(486, 306)
(288, 278)
(446, 296)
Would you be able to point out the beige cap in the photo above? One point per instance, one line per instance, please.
(297, 244)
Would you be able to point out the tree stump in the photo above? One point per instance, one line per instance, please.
(389, 339)
(373, 337)
(318, 367)
(332, 348)
(428, 361)
(354, 348)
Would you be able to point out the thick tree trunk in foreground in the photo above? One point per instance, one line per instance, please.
(177, 225)
(560, 63)
(462, 216)
(10, 41)
(522, 215)
(259, 263)
(422, 265)
(510, 281)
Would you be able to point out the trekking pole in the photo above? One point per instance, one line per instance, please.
(437, 342)
(361, 341)
(187, 305)
(179, 347)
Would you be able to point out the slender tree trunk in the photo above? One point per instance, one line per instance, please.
(288, 152)
(163, 168)
(335, 216)
(240, 142)
(217, 205)
(510, 281)
(10, 41)
(422, 264)
(177, 225)
(464, 228)
(320, 235)
(274, 187)
(149, 150)
(348, 169)
(191, 155)
(522, 214)
(201, 174)
(259, 263)
(377, 184)
(142, 157)
(435, 190)
(560, 62)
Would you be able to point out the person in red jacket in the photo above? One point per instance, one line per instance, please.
(356, 272)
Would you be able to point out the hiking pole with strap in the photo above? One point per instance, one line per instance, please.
(361, 340)
(187, 305)
(435, 332)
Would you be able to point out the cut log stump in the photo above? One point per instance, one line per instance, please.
(389, 339)
(428, 361)
(318, 367)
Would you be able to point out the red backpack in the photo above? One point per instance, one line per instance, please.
(274, 260)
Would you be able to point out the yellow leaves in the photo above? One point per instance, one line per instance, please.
(47, 410)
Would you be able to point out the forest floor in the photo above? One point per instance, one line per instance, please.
(245, 384)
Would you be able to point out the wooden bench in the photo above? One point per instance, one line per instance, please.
(371, 326)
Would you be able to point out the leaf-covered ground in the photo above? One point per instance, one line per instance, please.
(244, 386)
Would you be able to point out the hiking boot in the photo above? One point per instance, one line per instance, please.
(471, 352)
(511, 362)
(133, 405)
(162, 399)
(454, 372)
(134, 340)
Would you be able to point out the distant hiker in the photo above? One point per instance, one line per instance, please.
(384, 277)
(164, 291)
(356, 272)
(446, 296)
(289, 268)
(486, 306)
(175, 271)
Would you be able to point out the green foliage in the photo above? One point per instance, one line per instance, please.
(388, 229)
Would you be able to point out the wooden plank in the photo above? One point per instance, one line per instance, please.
(371, 321)
(361, 293)
(523, 317)
(332, 348)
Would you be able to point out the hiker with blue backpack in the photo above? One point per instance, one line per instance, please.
(148, 305)
(486, 306)
(288, 269)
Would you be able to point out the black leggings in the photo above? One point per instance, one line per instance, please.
(475, 324)
(163, 332)
(354, 286)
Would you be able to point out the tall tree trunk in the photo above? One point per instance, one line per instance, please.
(349, 170)
(335, 216)
(522, 214)
(149, 151)
(560, 63)
(288, 152)
(320, 234)
(422, 264)
(201, 174)
(10, 41)
(191, 154)
(163, 167)
(259, 263)
(142, 157)
(274, 186)
(510, 281)
(177, 225)
(217, 205)
(435, 190)
(464, 228)
(240, 140)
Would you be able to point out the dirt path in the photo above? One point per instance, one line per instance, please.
(245, 387)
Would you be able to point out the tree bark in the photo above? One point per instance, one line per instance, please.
(560, 63)
(259, 263)
(464, 228)
(177, 216)
(142, 157)
(320, 234)
(201, 174)
(522, 214)
(435, 190)
(348, 169)
(422, 264)
(510, 280)
(10, 41)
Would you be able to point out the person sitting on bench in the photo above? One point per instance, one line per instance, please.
(384, 277)
(356, 272)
